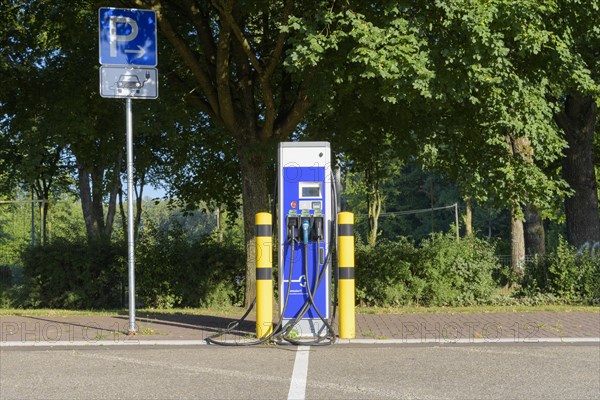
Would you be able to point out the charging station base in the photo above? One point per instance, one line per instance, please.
(307, 328)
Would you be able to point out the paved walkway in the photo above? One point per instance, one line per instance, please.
(407, 328)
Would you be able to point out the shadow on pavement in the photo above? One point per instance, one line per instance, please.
(179, 325)
(206, 323)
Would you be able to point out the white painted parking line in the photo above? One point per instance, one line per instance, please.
(471, 340)
(299, 374)
(100, 343)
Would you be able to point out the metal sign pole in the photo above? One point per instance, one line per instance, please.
(130, 231)
(127, 52)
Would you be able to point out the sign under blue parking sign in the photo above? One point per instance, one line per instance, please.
(127, 37)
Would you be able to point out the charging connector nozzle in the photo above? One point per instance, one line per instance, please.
(305, 230)
(318, 223)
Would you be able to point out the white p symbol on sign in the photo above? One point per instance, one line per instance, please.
(114, 38)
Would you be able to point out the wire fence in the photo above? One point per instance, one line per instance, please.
(506, 262)
(417, 224)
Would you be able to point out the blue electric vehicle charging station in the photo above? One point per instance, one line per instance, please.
(307, 229)
(306, 207)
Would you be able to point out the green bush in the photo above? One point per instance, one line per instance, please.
(11, 286)
(73, 275)
(176, 272)
(171, 271)
(457, 272)
(590, 278)
(441, 271)
(564, 274)
(384, 273)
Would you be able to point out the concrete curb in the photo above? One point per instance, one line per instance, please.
(466, 341)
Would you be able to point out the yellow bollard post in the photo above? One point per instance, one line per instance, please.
(264, 275)
(347, 296)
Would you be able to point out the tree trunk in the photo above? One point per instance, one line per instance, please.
(374, 204)
(517, 243)
(97, 182)
(518, 147)
(535, 235)
(85, 194)
(92, 194)
(468, 218)
(41, 187)
(578, 121)
(44, 221)
(44, 207)
(115, 186)
(137, 219)
(254, 192)
(122, 212)
(490, 219)
(219, 226)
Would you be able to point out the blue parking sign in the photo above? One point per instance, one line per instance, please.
(127, 37)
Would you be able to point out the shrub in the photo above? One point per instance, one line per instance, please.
(457, 272)
(564, 274)
(590, 278)
(384, 275)
(170, 271)
(174, 271)
(442, 271)
(75, 274)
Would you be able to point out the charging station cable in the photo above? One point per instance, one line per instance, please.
(277, 330)
(283, 332)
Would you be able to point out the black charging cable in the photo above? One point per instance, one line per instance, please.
(276, 329)
(283, 332)
(310, 302)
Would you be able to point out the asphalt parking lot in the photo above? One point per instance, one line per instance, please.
(352, 371)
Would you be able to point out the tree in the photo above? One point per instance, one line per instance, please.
(51, 100)
(33, 158)
(577, 87)
(557, 40)
(362, 138)
(372, 100)
(234, 55)
(484, 122)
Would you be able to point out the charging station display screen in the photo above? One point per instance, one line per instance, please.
(310, 192)
(310, 189)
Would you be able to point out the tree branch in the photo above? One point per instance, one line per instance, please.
(223, 88)
(202, 25)
(195, 98)
(114, 189)
(290, 121)
(225, 11)
(186, 54)
(281, 39)
(246, 87)
(270, 111)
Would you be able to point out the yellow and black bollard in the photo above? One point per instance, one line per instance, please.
(264, 275)
(346, 275)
